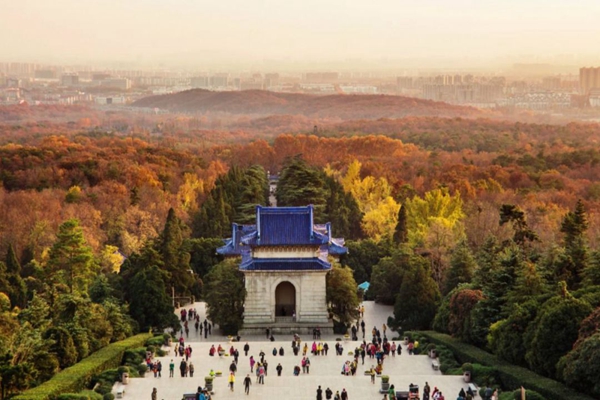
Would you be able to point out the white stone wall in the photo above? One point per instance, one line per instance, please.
(311, 304)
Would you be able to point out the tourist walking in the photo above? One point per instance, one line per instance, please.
(154, 394)
(171, 369)
(231, 380)
(328, 394)
(344, 394)
(319, 393)
(279, 368)
(246, 349)
(247, 383)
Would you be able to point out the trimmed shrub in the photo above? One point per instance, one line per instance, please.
(85, 395)
(510, 376)
(108, 396)
(78, 377)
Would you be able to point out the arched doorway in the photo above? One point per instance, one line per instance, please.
(285, 300)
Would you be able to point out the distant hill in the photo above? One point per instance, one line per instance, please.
(260, 102)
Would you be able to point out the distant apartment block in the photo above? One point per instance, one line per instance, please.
(116, 83)
(219, 81)
(45, 74)
(589, 78)
(199, 82)
(70, 80)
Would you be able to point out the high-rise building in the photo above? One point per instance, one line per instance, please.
(589, 78)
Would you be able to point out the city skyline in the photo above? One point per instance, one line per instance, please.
(311, 34)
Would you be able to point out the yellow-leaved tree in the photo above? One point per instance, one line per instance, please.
(373, 195)
(434, 225)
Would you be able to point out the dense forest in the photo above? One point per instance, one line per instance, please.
(488, 229)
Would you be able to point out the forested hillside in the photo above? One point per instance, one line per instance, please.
(260, 102)
(485, 230)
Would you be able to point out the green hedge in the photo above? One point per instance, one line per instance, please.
(511, 376)
(78, 376)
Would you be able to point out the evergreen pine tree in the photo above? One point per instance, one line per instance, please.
(301, 185)
(70, 260)
(462, 267)
(15, 286)
(342, 211)
(571, 267)
(175, 258)
(12, 263)
(401, 232)
(418, 298)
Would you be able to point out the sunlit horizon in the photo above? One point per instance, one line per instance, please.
(235, 34)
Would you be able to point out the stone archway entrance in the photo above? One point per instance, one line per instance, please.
(285, 300)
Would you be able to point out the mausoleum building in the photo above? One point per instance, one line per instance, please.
(285, 259)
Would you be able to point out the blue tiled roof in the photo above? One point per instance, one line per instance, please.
(234, 245)
(284, 264)
(281, 226)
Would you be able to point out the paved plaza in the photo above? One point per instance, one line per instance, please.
(324, 370)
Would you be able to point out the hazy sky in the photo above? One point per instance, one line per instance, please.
(238, 32)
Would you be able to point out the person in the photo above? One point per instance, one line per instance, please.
(236, 355)
(261, 374)
(470, 395)
(262, 356)
(337, 395)
(391, 391)
(191, 369)
(154, 394)
(268, 332)
(274, 351)
(246, 349)
(319, 393)
(426, 389)
(171, 369)
(328, 394)
(212, 351)
(372, 373)
(183, 368)
(281, 352)
(344, 394)
(279, 368)
(488, 393)
(247, 383)
(266, 367)
(307, 365)
(233, 368)
(252, 362)
(325, 348)
(231, 380)
(296, 370)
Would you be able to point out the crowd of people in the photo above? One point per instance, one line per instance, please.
(377, 349)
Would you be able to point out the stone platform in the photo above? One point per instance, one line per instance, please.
(325, 370)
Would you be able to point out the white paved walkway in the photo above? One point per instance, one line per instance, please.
(324, 371)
